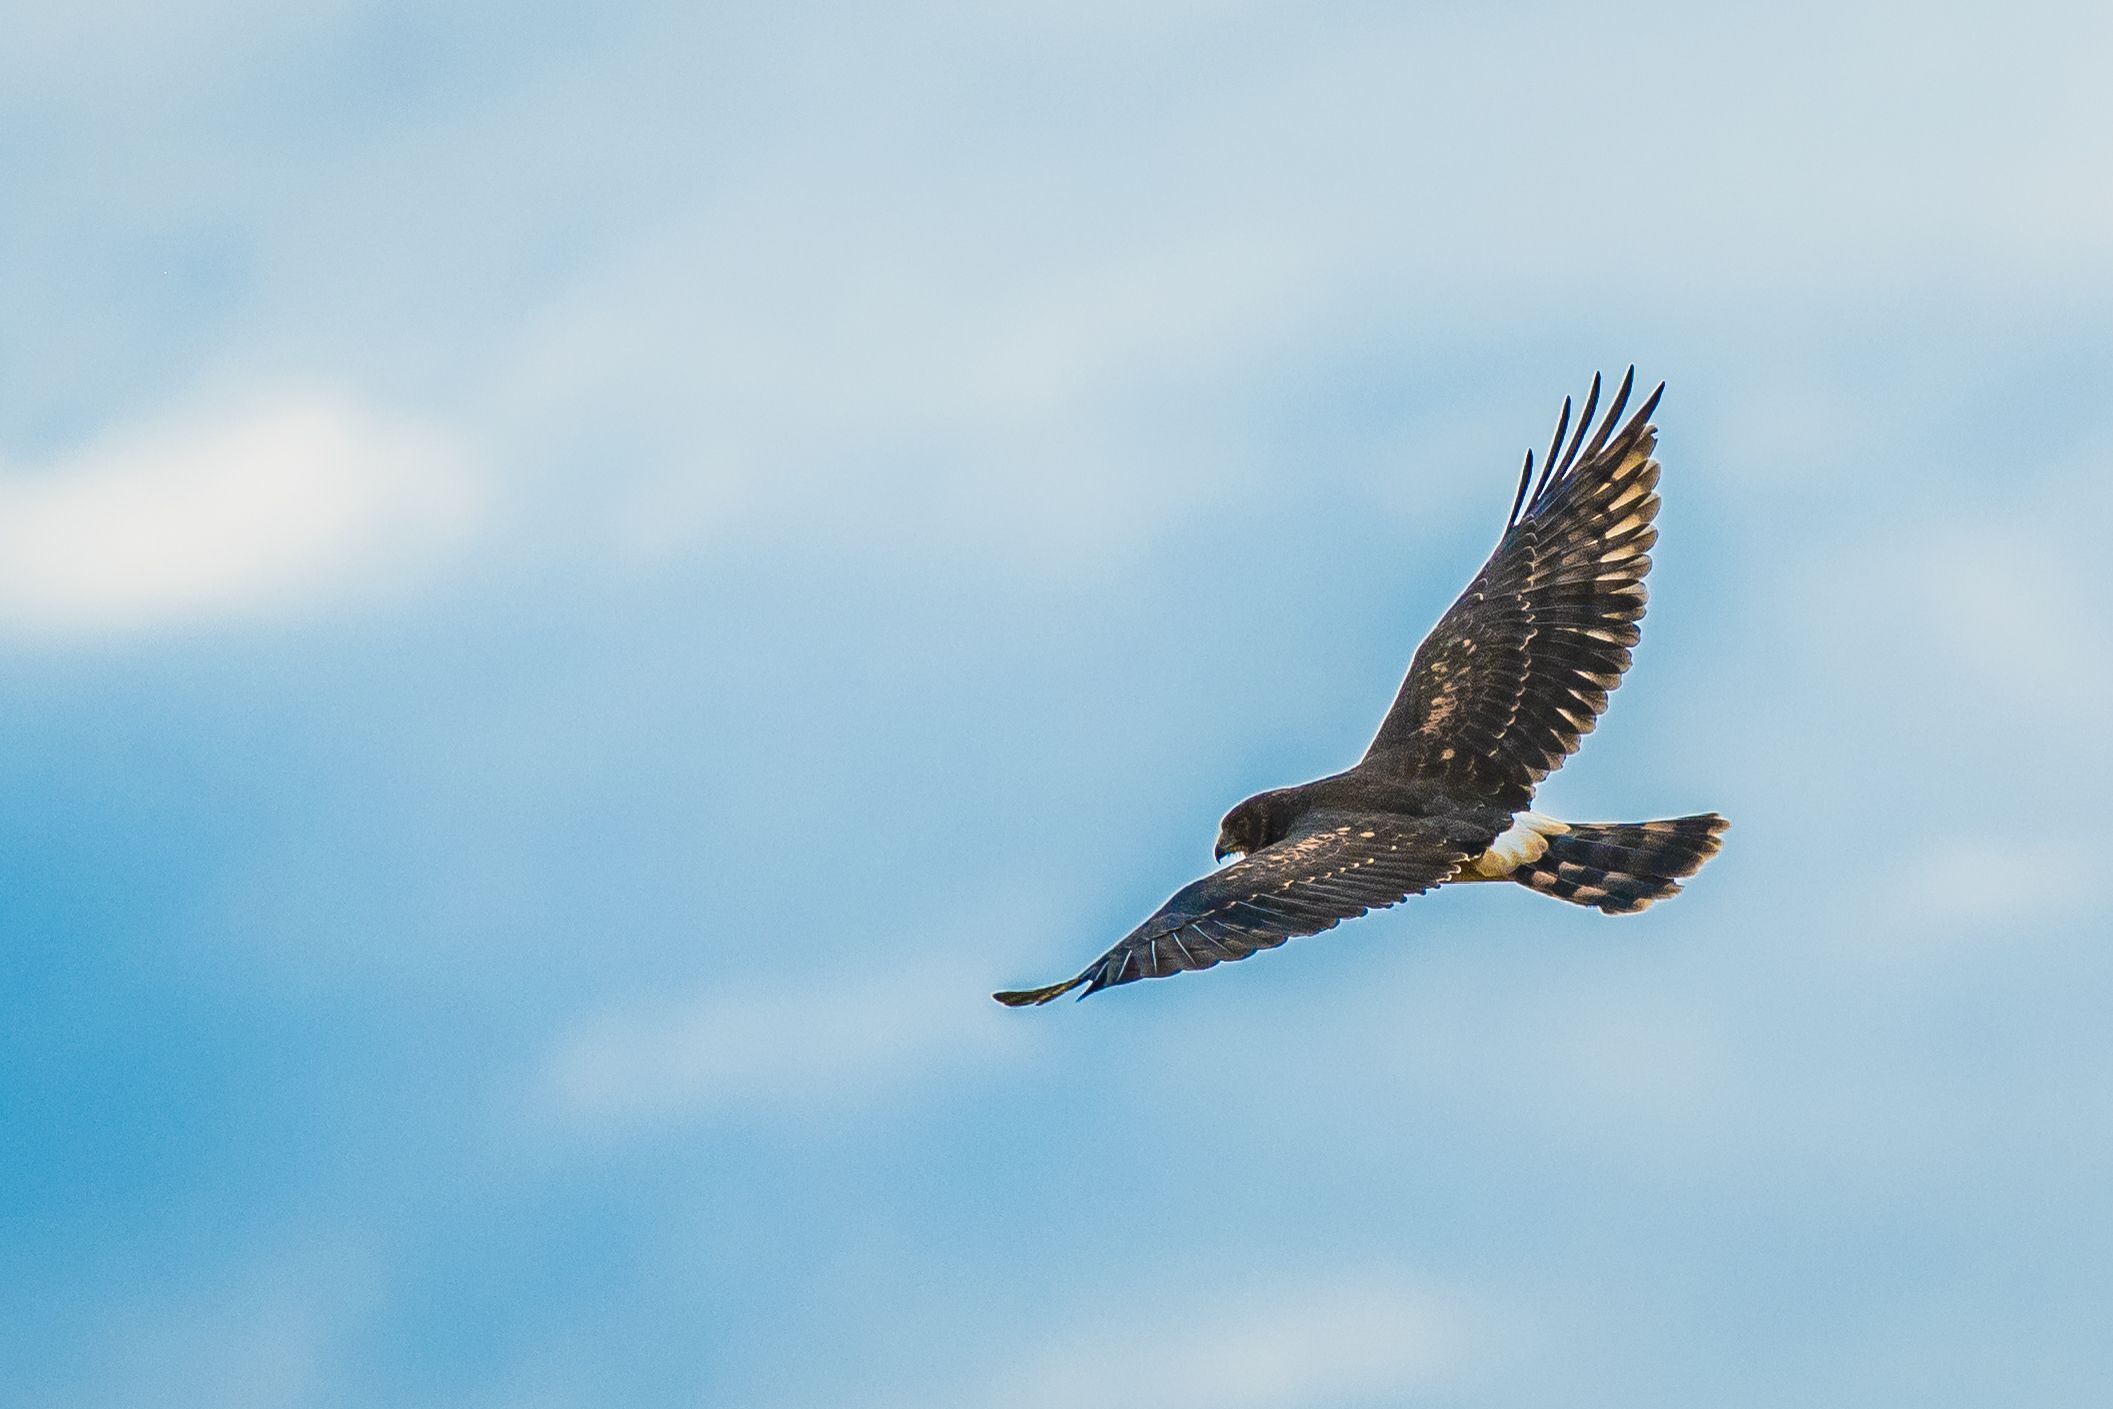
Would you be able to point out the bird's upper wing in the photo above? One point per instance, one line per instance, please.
(1333, 867)
(1519, 669)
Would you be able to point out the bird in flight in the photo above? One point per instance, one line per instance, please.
(1498, 695)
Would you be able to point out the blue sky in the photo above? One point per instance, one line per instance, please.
(579, 584)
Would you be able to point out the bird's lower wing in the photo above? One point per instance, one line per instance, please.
(1333, 868)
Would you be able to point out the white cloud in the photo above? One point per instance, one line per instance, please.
(985, 409)
(1993, 610)
(847, 333)
(130, 44)
(831, 301)
(254, 513)
(2020, 623)
(1988, 890)
(735, 1050)
(1260, 1347)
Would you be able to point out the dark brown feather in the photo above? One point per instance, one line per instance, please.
(1519, 669)
(1334, 867)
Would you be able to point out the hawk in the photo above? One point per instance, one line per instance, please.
(1498, 695)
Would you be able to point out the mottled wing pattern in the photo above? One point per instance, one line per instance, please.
(1334, 867)
(1519, 669)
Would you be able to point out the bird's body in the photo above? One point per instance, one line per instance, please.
(1498, 696)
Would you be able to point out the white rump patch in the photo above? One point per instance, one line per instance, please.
(1522, 844)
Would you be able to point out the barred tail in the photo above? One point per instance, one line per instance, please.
(1622, 867)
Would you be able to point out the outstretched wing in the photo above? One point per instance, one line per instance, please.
(1519, 669)
(1334, 867)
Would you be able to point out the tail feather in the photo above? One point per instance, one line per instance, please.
(1623, 867)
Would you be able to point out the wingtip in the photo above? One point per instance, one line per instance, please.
(1650, 404)
(1518, 500)
(1035, 997)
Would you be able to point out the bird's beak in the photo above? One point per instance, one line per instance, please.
(1221, 851)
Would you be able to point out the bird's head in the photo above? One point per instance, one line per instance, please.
(1249, 827)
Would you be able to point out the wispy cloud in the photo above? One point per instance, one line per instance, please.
(257, 512)
(1985, 888)
(1273, 1347)
(985, 411)
(738, 1049)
